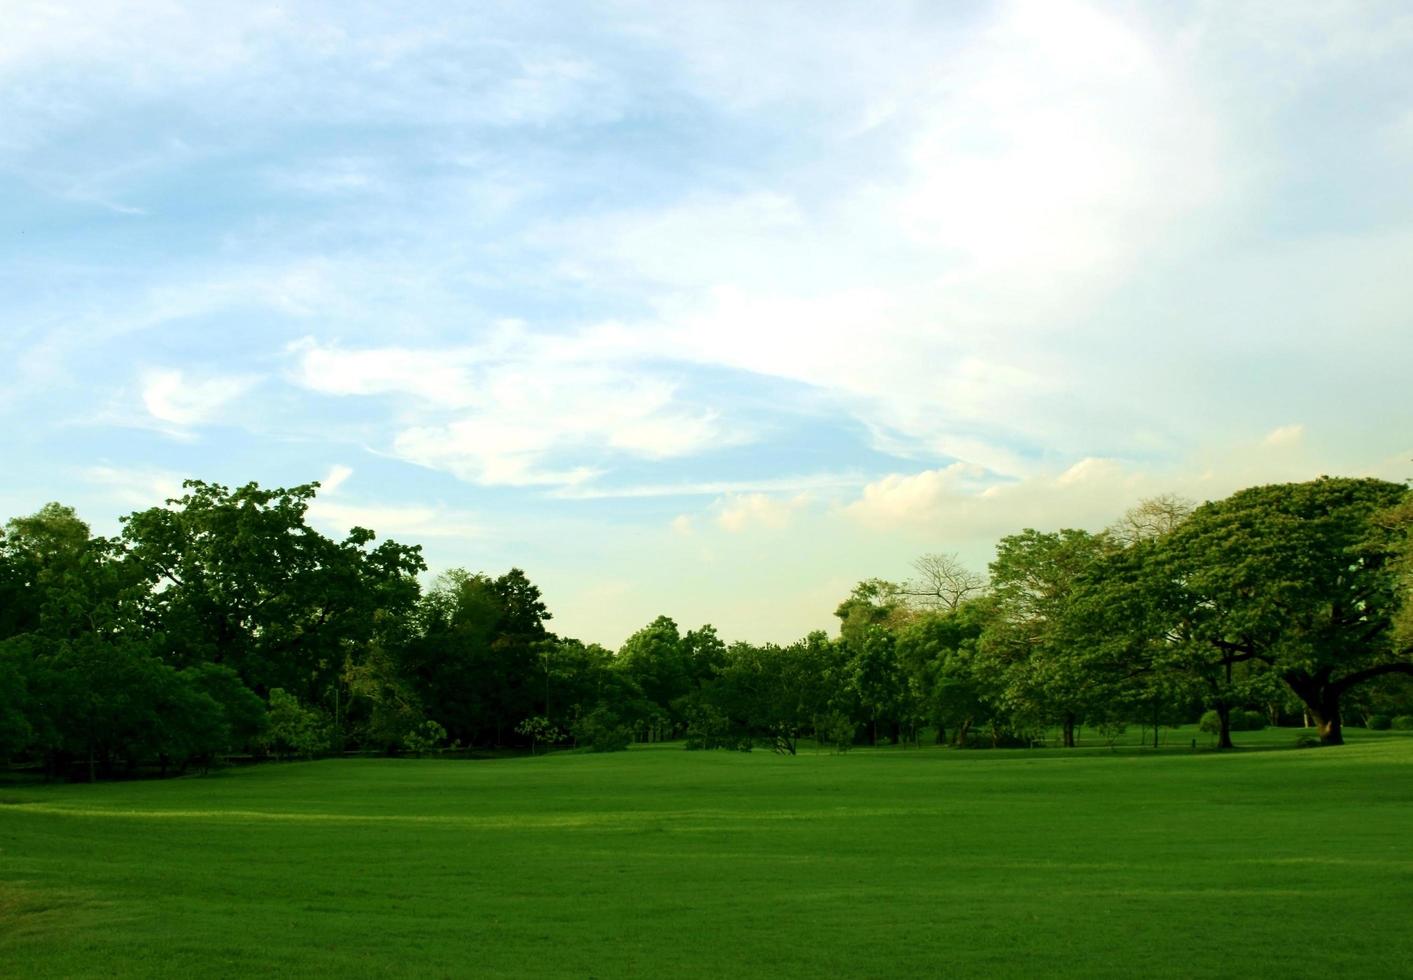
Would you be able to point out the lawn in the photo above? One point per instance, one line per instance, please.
(656, 862)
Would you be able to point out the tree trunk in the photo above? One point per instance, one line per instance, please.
(895, 733)
(1328, 723)
(1067, 729)
(941, 734)
(1321, 700)
(1224, 726)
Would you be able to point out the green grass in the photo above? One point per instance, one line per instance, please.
(661, 863)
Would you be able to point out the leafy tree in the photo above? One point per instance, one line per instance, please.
(654, 657)
(237, 577)
(1301, 579)
(537, 729)
(294, 730)
(1048, 672)
(873, 602)
(937, 654)
(877, 681)
(479, 664)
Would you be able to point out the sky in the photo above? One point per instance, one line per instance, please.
(702, 309)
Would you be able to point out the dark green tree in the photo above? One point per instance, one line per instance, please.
(1302, 579)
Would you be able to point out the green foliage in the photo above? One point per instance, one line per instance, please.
(1402, 723)
(708, 727)
(1378, 723)
(601, 730)
(294, 730)
(1241, 720)
(836, 730)
(1296, 579)
(424, 738)
(539, 730)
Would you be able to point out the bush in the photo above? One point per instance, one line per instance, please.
(424, 738)
(1247, 721)
(1378, 723)
(836, 729)
(601, 731)
(1241, 721)
(1402, 723)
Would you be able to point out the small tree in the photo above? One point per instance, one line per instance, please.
(538, 728)
(294, 730)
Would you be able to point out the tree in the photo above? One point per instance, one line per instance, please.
(656, 661)
(1151, 518)
(943, 582)
(873, 602)
(1048, 672)
(937, 653)
(237, 577)
(1301, 579)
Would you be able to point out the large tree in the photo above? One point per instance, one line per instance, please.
(1301, 579)
(238, 577)
(1048, 673)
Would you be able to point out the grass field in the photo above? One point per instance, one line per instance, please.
(662, 863)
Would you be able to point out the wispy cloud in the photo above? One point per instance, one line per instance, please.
(175, 397)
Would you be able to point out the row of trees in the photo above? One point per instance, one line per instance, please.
(223, 623)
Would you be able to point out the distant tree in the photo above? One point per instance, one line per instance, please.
(942, 582)
(237, 577)
(937, 653)
(873, 602)
(1048, 673)
(294, 730)
(1151, 518)
(655, 659)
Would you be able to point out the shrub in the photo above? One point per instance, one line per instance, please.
(1378, 723)
(294, 729)
(1247, 721)
(538, 729)
(601, 731)
(1403, 723)
(424, 738)
(836, 729)
(1241, 721)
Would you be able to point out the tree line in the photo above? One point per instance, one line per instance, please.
(223, 624)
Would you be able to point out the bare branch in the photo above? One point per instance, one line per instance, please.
(943, 582)
(1152, 517)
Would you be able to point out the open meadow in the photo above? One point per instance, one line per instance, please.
(658, 862)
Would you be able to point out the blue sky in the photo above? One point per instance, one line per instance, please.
(702, 309)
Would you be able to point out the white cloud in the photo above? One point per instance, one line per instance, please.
(1285, 435)
(173, 396)
(520, 410)
(136, 488)
(338, 474)
(741, 512)
(408, 523)
(1017, 174)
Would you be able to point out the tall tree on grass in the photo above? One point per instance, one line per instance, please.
(1302, 579)
(1048, 676)
(238, 577)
